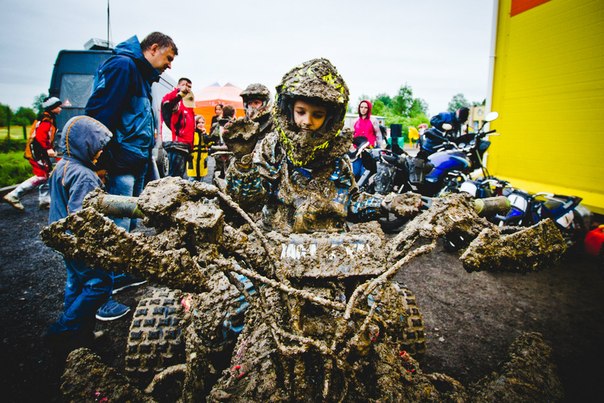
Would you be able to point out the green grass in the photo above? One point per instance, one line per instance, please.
(16, 132)
(13, 167)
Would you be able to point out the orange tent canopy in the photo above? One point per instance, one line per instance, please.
(207, 98)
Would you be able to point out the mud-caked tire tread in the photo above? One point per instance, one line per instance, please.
(155, 339)
(414, 337)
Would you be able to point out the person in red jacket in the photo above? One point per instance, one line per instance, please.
(40, 157)
(177, 111)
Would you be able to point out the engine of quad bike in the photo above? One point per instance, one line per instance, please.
(333, 266)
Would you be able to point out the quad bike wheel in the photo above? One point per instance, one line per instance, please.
(155, 340)
(414, 338)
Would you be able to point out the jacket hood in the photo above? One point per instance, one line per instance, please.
(369, 108)
(132, 48)
(83, 138)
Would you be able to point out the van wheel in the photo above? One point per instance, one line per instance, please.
(155, 340)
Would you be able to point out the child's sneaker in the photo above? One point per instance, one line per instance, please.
(111, 310)
(124, 281)
(13, 201)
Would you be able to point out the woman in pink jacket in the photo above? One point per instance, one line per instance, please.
(366, 126)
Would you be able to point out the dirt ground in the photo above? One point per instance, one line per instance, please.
(471, 319)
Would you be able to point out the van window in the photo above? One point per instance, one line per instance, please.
(76, 89)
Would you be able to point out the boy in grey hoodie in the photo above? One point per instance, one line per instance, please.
(86, 288)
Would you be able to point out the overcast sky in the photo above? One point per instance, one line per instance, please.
(438, 47)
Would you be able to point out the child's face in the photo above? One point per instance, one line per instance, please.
(309, 116)
(201, 124)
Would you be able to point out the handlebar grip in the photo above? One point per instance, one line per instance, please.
(492, 205)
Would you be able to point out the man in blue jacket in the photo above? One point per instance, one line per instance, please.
(121, 100)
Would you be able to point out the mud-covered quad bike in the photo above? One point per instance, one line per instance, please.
(325, 320)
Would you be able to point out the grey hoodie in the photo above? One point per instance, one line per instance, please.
(74, 176)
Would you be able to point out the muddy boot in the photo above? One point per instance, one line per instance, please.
(14, 198)
(14, 201)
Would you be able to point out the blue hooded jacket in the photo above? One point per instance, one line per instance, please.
(121, 100)
(74, 176)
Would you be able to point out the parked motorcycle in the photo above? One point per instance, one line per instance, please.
(436, 174)
(439, 172)
(568, 214)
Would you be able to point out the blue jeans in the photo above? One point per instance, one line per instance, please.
(126, 185)
(86, 289)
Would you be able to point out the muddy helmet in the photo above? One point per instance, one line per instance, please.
(315, 81)
(260, 92)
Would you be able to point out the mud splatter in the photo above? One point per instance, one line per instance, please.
(325, 321)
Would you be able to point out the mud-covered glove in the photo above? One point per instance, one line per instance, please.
(405, 205)
(241, 136)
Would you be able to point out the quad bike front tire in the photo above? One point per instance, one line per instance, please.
(414, 337)
(155, 339)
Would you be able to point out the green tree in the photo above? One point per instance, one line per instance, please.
(24, 117)
(458, 101)
(402, 102)
(418, 107)
(38, 101)
(385, 99)
(4, 110)
(378, 107)
(8, 116)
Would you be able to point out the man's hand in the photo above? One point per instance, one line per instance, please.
(51, 152)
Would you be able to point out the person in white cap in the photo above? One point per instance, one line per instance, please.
(39, 153)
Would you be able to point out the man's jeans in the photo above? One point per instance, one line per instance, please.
(86, 290)
(125, 185)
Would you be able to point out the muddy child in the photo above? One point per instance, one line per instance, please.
(86, 288)
(299, 171)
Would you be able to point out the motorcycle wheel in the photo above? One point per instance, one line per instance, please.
(155, 341)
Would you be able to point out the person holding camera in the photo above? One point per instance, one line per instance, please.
(177, 111)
